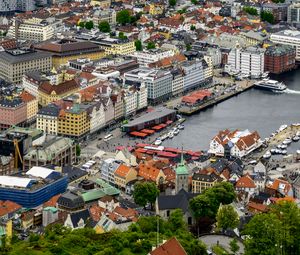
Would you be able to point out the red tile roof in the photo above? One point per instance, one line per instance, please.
(27, 97)
(96, 212)
(245, 182)
(148, 172)
(59, 89)
(171, 247)
(52, 202)
(8, 207)
(122, 171)
(257, 207)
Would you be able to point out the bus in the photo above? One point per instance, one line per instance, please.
(108, 137)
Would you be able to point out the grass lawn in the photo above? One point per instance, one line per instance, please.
(219, 250)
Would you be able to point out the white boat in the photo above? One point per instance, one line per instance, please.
(271, 85)
(287, 141)
(164, 137)
(176, 131)
(273, 151)
(157, 142)
(298, 151)
(282, 127)
(283, 146)
(170, 135)
(296, 138)
(265, 75)
(267, 155)
(180, 127)
(283, 152)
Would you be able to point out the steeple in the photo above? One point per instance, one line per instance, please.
(181, 168)
(182, 175)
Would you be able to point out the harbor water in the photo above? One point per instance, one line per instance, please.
(254, 109)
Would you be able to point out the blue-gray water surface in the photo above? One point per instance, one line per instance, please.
(254, 109)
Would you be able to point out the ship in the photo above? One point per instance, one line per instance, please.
(271, 85)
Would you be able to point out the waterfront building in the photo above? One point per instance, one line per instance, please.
(64, 50)
(50, 150)
(37, 186)
(280, 58)
(177, 81)
(247, 61)
(235, 143)
(114, 46)
(12, 112)
(146, 57)
(182, 176)
(108, 15)
(193, 74)
(288, 37)
(16, 62)
(34, 29)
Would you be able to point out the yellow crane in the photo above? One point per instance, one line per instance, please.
(17, 155)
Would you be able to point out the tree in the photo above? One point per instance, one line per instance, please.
(188, 47)
(81, 24)
(176, 221)
(122, 36)
(150, 45)
(172, 2)
(202, 206)
(78, 150)
(250, 10)
(145, 192)
(123, 17)
(227, 217)
(234, 247)
(89, 25)
(223, 192)
(138, 45)
(104, 27)
(267, 16)
(193, 27)
(195, 2)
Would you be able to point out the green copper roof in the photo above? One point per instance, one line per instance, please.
(181, 168)
(50, 208)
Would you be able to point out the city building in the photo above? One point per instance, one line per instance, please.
(172, 246)
(7, 165)
(64, 50)
(280, 58)
(50, 215)
(47, 119)
(108, 15)
(245, 183)
(50, 150)
(103, 4)
(248, 61)
(235, 143)
(193, 74)
(9, 7)
(203, 181)
(37, 186)
(108, 168)
(288, 37)
(158, 83)
(293, 14)
(31, 105)
(12, 112)
(254, 38)
(124, 174)
(31, 82)
(113, 46)
(16, 62)
(279, 10)
(177, 81)
(146, 57)
(34, 29)
(156, 9)
(48, 93)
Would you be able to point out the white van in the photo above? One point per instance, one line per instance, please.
(108, 137)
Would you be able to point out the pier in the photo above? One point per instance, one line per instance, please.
(186, 110)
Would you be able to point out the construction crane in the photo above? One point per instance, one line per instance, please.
(17, 155)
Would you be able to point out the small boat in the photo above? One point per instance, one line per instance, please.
(176, 131)
(287, 141)
(283, 152)
(296, 138)
(273, 151)
(164, 137)
(283, 127)
(180, 127)
(298, 151)
(157, 142)
(279, 146)
(277, 151)
(267, 155)
(170, 135)
(298, 133)
(283, 146)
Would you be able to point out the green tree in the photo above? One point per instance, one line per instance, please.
(188, 47)
(138, 45)
(250, 10)
(202, 206)
(195, 2)
(176, 221)
(122, 36)
(89, 25)
(104, 27)
(172, 2)
(78, 150)
(81, 24)
(267, 16)
(145, 192)
(222, 192)
(150, 45)
(123, 17)
(234, 247)
(227, 217)
(193, 27)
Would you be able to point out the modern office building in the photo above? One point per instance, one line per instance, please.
(288, 37)
(9, 7)
(35, 188)
(293, 14)
(193, 74)
(16, 62)
(146, 57)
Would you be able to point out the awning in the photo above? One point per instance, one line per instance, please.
(138, 134)
(148, 131)
(158, 127)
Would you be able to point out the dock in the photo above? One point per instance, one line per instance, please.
(185, 110)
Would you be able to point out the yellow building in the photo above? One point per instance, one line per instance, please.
(124, 174)
(74, 122)
(201, 182)
(103, 4)
(156, 9)
(31, 105)
(48, 93)
(64, 50)
(113, 46)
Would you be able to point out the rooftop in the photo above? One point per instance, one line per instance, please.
(18, 55)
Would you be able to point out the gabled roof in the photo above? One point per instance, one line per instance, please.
(170, 247)
(7, 207)
(59, 89)
(77, 216)
(245, 182)
(122, 171)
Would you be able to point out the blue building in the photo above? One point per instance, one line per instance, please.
(34, 189)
